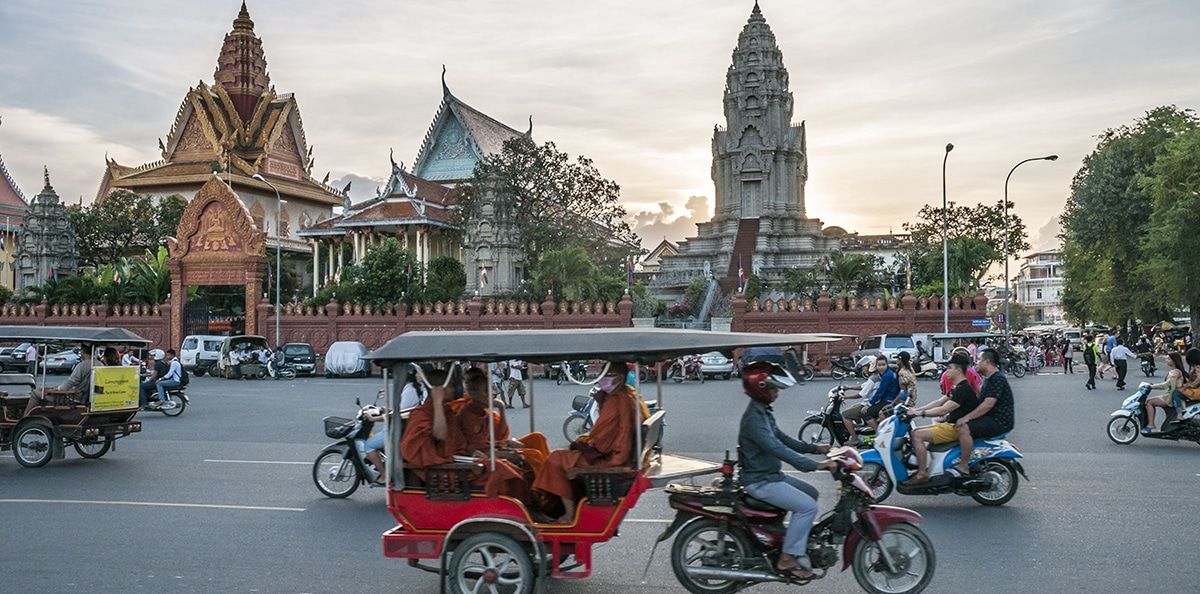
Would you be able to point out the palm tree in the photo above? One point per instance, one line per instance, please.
(569, 273)
(149, 278)
(849, 272)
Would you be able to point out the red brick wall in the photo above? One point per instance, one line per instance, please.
(151, 322)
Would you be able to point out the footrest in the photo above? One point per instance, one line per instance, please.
(603, 487)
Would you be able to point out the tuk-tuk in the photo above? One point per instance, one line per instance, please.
(941, 344)
(91, 419)
(253, 369)
(484, 542)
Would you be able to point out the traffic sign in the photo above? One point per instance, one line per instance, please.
(1000, 319)
(981, 323)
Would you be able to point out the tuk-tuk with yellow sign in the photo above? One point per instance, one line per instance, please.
(93, 408)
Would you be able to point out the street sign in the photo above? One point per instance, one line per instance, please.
(981, 323)
(1000, 319)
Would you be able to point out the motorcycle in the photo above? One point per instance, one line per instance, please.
(1125, 424)
(929, 369)
(994, 465)
(342, 466)
(726, 540)
(842, 367)
(1015, 364)
(280, 371)
(1148, 366)
(686, 368)
(578, 370)
(825, 426)
(177, 399)
(585, 411)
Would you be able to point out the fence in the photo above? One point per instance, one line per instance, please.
(856, 317)
(151, 322)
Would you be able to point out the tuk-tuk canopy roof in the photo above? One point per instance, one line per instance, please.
(40, 334)
(642, 345)
(957, 335)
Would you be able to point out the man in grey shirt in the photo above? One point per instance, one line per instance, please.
(78, 382)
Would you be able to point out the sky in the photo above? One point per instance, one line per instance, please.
(635, 85)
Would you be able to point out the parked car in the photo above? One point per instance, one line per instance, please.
(715, 364)
(344, 359)
(200, 352)
(62, 361)
(301, 356)
(13, 359)
(888, 344)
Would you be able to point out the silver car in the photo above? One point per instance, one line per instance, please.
(715, 364)
(62, 362)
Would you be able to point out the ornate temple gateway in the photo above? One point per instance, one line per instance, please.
(46, 250)
(238, 127)
(759, 168)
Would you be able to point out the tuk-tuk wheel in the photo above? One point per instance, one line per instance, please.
(33, 444)
(490, 562)
(94, 449)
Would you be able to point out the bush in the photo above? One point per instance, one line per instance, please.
(446, 280)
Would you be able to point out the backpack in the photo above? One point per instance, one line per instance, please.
(184, 378)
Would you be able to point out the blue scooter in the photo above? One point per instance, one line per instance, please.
(994, 465)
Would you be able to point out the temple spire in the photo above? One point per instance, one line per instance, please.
(46, 177)
(242, 65)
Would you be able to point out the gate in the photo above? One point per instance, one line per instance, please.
(195, 316)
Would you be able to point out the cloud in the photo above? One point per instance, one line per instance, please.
(362, 187)
(664, 222)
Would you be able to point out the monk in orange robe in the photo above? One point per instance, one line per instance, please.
(471, 418)
(609, 444)
(429, 436)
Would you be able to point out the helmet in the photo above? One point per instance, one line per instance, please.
(760, 376)
(157, 354)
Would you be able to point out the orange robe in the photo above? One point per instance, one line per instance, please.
(612, 434)
(419, 449)
(470, 420)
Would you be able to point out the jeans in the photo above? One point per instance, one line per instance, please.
(376, 441)
(144, 391)
(796, 496)
(162, 388)
(1122, 368)
(1091, 365)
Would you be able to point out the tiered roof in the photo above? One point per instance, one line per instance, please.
(12, 201)
(459, 138)
(405, 200)
(239, 125)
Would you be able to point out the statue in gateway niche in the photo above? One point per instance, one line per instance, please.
(707, 270)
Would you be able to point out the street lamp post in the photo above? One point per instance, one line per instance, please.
(1007, 296)
(945, 253)
(278, 250)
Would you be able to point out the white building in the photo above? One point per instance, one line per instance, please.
(1039, 286)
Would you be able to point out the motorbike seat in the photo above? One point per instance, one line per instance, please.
(943, 447)
(759, 504)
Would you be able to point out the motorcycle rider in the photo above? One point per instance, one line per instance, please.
(992, 416)
(763, 447)
(1172, 382)
(960, 401)
(852, 413)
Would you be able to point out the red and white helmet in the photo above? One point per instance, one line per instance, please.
(760, 376)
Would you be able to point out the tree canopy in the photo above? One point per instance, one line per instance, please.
(554, 202)
(1121, 199)
(570, 273)
(446, 279)
(1173, 185)
(975, 242)
(123, 224)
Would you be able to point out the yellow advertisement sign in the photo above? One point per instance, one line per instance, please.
(114, 388)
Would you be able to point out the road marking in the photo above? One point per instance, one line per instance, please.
(647, 521)
(259, 462)
(156, 504)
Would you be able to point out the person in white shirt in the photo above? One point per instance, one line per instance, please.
(127, 357)
(31, 360)
(516, 382)
(169, 380)
(865, 391)
(1120, 357)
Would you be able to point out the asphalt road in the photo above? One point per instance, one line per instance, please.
(221, 499)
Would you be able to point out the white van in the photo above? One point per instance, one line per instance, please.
(200, 352)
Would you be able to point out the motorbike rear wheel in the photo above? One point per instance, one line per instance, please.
(808, 372)
(837, 373)
(176, 410)
(1003, 492)
(877, 479)
(332, 478)
(574, 426)
(708, 543)
(1019, 368)
(909, 549)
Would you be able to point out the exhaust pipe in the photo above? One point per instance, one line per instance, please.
(740, 575)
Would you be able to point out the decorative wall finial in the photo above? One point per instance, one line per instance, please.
(529, 132)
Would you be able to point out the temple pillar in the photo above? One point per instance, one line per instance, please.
(316, 265)
(329, 264)
(341, 259)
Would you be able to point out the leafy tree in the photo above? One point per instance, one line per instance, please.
(754, 287)
(383, 276)
(123, 224)
(969, 259)
(979, 227)
(1173, 185)
(1019, 316)
(5, 294)
(1107, 218)
(804, 282)
(149, 278)
(568, 273)
(853, 272)
(646, 305)
(553, 201)
(446, 279)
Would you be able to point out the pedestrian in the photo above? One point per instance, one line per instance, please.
(516, 383)
(1102, 348)
(127, 357)
(1090, 355)
(31, 360)
(1068, 356)
(1120, 357)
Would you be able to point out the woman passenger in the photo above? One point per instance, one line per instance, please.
(907, 377)
(1190, 390)
(1171, 383)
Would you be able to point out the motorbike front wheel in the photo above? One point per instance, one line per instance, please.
(1123, 430)
(808, 372)
(708, 544)
(877, 479)
(1019, 369)
(911, 553)
(334, 475)
(815, 432)
(574, 426)
(837, 373)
